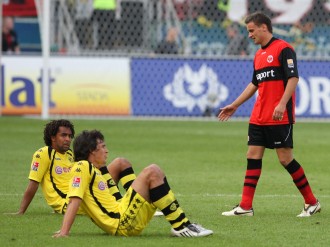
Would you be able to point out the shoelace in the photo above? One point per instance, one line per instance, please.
(195, 227)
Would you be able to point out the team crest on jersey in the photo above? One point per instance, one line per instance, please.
(35, 166)
(102, 185)
(290, 63)
(270, 59)
(76, 182)
(58, 170)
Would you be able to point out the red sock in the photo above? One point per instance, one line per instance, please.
(299, 178)
(252, 175)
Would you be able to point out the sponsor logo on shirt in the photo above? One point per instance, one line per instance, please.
(102, 185)
(290, 63)
(37, 156)
(58, 170)
(76, 182)
(35, 166)
(66, 169)
(265, 74)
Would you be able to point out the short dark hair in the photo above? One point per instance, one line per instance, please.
(259, 18)
(52, 128)
(85, 143)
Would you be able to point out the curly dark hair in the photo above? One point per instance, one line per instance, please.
(85, 143)
(52, 128)
(260, 18)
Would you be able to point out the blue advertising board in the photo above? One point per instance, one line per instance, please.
(193, 87)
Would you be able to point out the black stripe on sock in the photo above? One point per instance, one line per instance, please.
(293, 166)
(180, 218)
(252, 177)
(303, 186)
(167, 210)
(127, 185)
(126, 172)
(158, 192)
(299, 179)
(250, 185)
(166, 183)
(253, 164)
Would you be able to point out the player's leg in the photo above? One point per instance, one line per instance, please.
(121, 171)
(285, 156)
(252, 175)
(256, 148)
(152, 185)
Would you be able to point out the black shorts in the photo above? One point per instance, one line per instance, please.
(271, 136)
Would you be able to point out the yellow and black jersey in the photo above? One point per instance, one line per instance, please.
(99, 204)
(52, 170)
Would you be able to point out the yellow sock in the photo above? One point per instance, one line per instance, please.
(163, 198)
(127, 177)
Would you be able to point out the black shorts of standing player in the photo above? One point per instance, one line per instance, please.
(271, 136)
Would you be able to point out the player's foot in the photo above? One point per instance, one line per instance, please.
(238, 211)
(309, 210)
(192, 230)
(158, 213)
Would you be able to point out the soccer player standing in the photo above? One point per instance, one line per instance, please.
(271, 122)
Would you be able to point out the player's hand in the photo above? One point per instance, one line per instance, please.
(58, 234)
(17, 213)
(278, 113)
(226, 112)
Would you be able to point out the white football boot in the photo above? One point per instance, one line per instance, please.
(309, 210)
(238, 211)
(192, 230)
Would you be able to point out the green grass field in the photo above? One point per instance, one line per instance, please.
(205, 166)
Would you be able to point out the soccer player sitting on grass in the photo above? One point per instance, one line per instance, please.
(128, 217)
(51, 167)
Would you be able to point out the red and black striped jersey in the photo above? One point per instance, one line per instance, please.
(274, 64)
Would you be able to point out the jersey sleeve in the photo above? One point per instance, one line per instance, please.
(39, 165)
(80, 179)
(288, 61)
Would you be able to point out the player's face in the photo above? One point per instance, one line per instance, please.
(257, 33)
(62, 141)
(100, 154)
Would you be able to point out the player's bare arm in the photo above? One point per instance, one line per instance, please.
(289, 90)
(69, 217)
(227, 111)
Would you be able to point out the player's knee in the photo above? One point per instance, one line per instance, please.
(284, 162)
(153, 172)
(122, 162)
